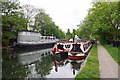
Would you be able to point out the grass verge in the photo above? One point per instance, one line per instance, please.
(91, 68)
(113, 52)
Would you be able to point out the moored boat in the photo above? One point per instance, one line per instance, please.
(79, 50)
(32, 39)
(75, 50)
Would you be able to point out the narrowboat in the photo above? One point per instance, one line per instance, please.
(74, 50)
(79, 50)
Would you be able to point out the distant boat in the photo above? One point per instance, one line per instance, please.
(32, 39)
(74, 50)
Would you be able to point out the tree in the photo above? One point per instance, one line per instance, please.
(42, 22)
(12, 20)
(29, 12)
(45, 25)
(68, 34)
(61, 34)
(101, 22)
(73, 32)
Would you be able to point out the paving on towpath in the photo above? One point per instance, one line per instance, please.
(108, 67)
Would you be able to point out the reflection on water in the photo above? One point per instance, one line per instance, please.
(64, 67)
(41, 68)
(11, 67)
(38, 64)
(76, 65)
(34, 64)
(28, 58)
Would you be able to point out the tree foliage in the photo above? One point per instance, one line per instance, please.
(45, 25)
(12, 20)
(101, 22)
(68, 34)
(29, 12)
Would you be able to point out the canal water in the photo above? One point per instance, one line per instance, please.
(37, 64)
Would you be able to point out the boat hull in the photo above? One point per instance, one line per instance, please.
(76, 57)
(31, 47)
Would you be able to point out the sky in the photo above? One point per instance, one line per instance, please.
(67, 14)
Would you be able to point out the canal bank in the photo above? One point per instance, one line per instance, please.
(91, 68)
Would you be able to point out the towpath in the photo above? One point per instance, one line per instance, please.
(108, 67)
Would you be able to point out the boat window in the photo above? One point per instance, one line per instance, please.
(28, 41)
(42, 54)
(48, 37)
(48, 52)
(41, 37)
(76, 48)
(67, 46)
(45, 37)
(59, 46)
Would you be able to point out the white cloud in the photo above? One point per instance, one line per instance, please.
(65, 13)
